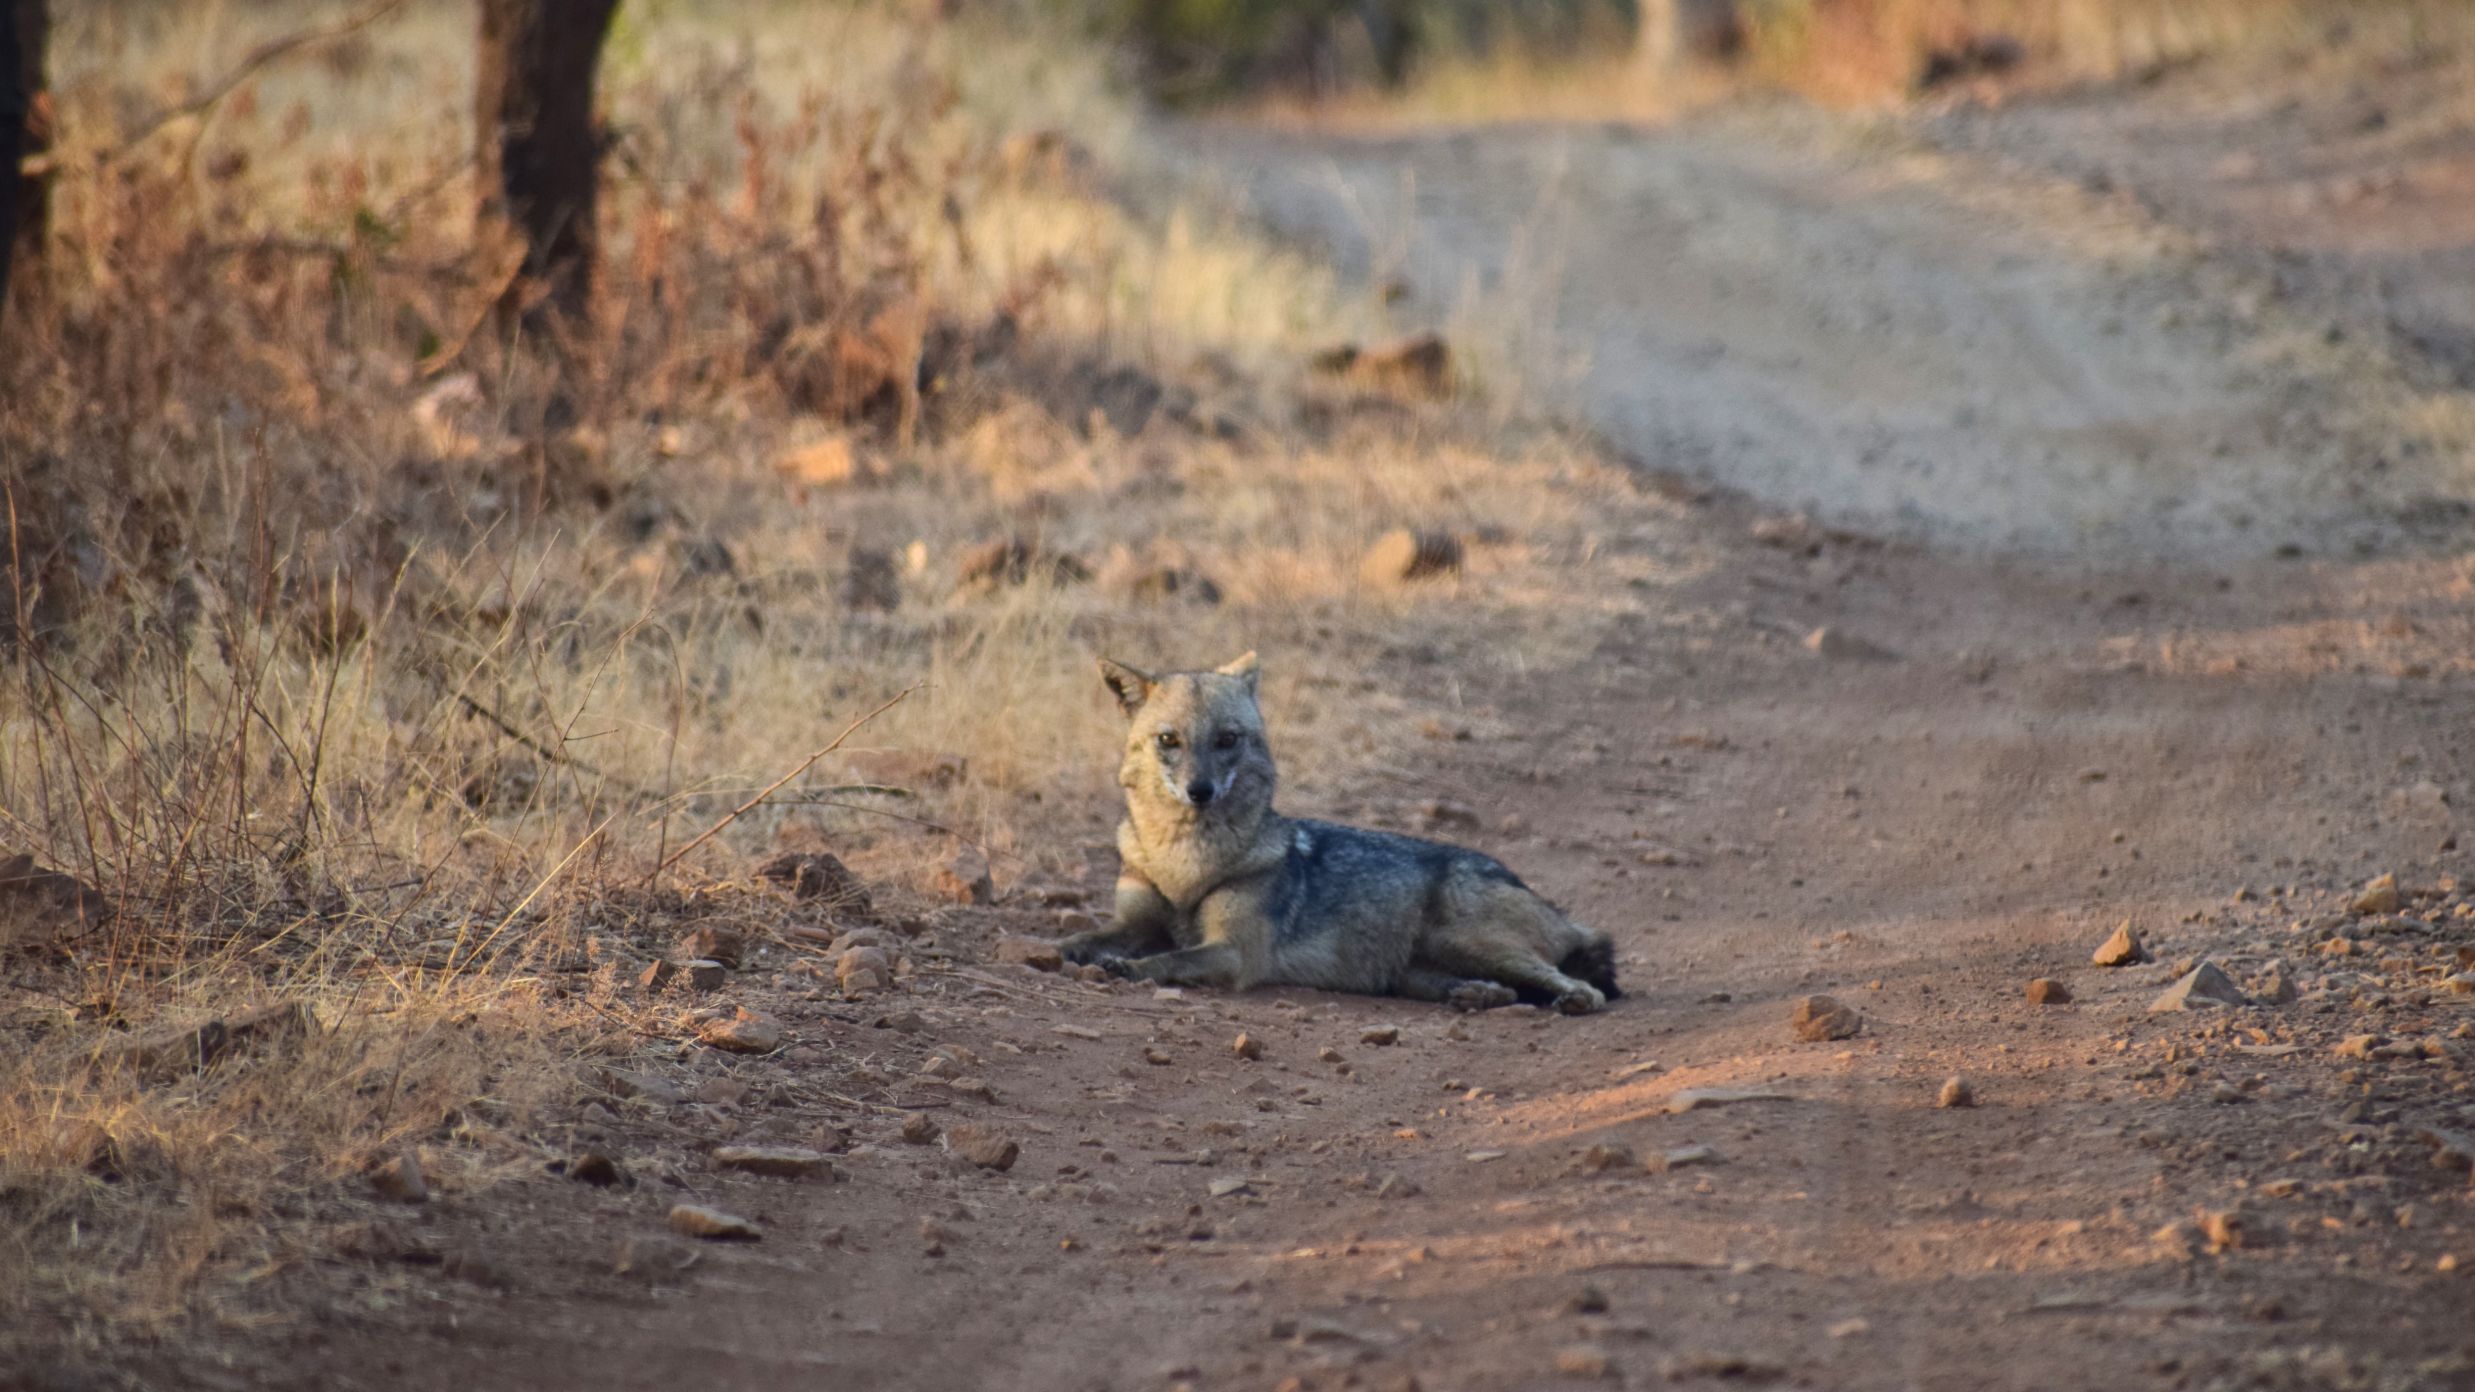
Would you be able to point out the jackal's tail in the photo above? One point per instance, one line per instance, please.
(1595, 962)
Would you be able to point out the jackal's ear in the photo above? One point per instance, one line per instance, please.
(1130, 687)
(1246, 669)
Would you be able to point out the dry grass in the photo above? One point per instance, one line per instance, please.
(359, 661)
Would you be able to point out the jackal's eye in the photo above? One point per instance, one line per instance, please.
(1226, 739)
(1169, 741)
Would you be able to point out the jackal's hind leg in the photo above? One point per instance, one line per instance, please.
(1424, 983)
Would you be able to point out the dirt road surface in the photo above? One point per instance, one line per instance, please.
(2103, 607)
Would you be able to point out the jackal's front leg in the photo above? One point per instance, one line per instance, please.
(1235, 938)
(1146, 922)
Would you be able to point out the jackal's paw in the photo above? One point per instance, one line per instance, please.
(1083, 949)
(1119, 967)
(1581, 1000)
(1481, 995)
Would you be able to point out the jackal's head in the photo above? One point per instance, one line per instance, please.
(1194, 740)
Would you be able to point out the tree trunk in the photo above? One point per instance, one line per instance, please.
(537, 148)
(25, 27)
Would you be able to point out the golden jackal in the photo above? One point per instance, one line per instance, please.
(1217, 889)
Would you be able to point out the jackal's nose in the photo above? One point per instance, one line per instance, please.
(1199, 792)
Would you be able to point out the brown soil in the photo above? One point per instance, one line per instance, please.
(1999, 754)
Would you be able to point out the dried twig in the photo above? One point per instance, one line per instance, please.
(804, 765)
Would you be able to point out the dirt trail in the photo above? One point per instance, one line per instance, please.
(2019, 753)
(1852, 323)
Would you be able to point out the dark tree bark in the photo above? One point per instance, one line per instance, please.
(538, 149)
(25, 29)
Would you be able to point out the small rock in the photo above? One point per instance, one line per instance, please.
(2226, 1229)
(982, 1146)
(744, 1033)
(2204, 987)
(2380, 896)
(727, 946)
(976, 1088)
(1838, 645)
(1850, 1328)
(964, 878)
(1956, 1092)
(1156, 1056)
(1396, 1186)
(1403, 555)
(1817, 1019)
(1328, 1054)
(1381, 1035)
(644, 1087)
(705, 974)
(2358, 1046)
(1694, 1099)
(1683, 1156)
(917, 1128)
(933, 1237)
(1246, 1046)
(1229, 1185)
(2045, 990)
(1600, 1158)
(1584, 1361)
(2277, 988)
(1035, 953)
(2122, 949)
(398, 1177)
(818, 875)
(711, 1224)
(656, 976)
(783, 1162)
(862, 971)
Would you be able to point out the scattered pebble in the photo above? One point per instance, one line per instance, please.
(1246, 1046)
(1328, 1054)
(1817, 1019)
(917, 1128)
(1956, 1092)
(862, 971)
(1693, 1099)
(1038, 954)
(784, 1162)
(712, 1224)
(2045, 990)
(744, 1033)
(1683, 1156)
(2204, 987)
(982, 1146)
(2380, 896)
(1601, 1158)
(1381, 1035)
(2122, 949)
